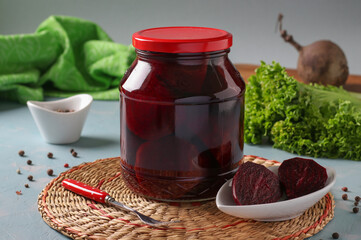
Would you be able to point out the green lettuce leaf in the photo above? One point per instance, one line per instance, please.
(312, 120)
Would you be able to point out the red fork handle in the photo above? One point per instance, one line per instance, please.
(84, 190)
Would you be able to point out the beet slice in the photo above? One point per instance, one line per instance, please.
(220, 156)
(255, 184)
(149, 121)
(300, 176)
(215, 129)
(147, 113)
(182, 77)
(129, 144)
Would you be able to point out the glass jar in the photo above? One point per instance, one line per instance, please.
(181, 114)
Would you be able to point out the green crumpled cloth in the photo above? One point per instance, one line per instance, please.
(65, 56)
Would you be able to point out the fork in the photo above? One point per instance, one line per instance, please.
(103, 197)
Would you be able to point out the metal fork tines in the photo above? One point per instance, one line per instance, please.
(146, 219)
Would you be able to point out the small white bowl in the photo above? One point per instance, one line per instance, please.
(61, 127)
(269, 212)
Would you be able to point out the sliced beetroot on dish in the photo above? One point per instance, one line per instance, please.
(300, 176)
(255, 184)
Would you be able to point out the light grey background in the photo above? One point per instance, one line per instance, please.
(252, 22)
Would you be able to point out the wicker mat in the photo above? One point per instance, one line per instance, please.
(80, 218)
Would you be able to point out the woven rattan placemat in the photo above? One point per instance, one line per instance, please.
(81, 218)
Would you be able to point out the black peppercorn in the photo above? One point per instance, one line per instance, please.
(344, 196)
(335, 235)
(30, 178)
(355, 209)
(72, 150)
(29, 162)
(27, 185)
(50, 155)
(75, 154)
(355, 203)
(21, 153)
(50, 172)
(357, 198)
(345, 189)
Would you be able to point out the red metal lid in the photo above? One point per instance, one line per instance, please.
(182, 39)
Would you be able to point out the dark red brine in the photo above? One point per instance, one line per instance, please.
(181, 114)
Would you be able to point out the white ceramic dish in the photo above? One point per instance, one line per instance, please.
(61, 127)
(278, 211)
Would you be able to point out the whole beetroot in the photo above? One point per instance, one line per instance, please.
(321, 62)
(300, 176)
(255, 184)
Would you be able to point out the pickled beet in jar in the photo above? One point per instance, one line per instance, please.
(181, 114)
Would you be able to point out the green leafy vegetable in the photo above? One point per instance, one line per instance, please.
(312, 120)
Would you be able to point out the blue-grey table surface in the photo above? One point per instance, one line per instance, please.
(19, 216)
